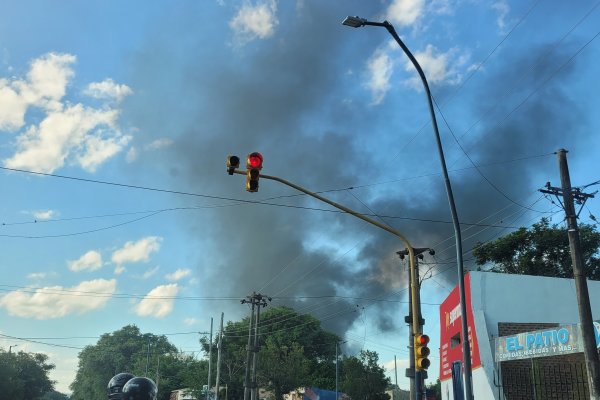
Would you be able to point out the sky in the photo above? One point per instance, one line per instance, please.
(116, 119)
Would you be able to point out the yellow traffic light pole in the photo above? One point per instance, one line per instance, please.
(414, 283)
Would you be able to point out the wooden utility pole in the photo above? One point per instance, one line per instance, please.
(219, 346)
(257, 301)
(570, 195)
(209, 359)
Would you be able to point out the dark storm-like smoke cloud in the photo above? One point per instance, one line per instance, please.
(279, 103)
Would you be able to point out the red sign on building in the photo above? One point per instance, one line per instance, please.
(450, 335)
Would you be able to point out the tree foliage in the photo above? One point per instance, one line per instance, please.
(542, 250)
(283, 367)
(286, 338)
(128, 350)
(24, 375)
(363, 379)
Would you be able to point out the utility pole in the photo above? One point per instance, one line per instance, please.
(416, 378)
(248, 350)
(257, 301)
(209, 359)
(396, 376)
(219, 360)
(570, 196)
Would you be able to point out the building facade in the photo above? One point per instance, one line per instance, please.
(500, 305)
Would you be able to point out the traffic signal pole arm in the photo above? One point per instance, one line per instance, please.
(414, 288)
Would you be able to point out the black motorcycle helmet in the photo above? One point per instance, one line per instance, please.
(115, 385)
(139, 389)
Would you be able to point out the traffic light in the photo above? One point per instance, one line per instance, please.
(253, 167)
(233, 163)
(422, 352)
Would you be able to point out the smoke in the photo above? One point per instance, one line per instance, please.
(286, 98)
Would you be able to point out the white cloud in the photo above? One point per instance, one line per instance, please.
(37, 275)
(76, 133)
(438, 67)
(380, 69)
(503, 9)
(119, 269)
(44, 87)
(91, 261)
(159, 144)
(108, 89)
(405, 12)
(255, 21)
(97, 150)
(56, 301)
(134, 252)
(151, 272)
(158, 302)
(190, 321)
(131, 155)
(179, 274)
(43, 215)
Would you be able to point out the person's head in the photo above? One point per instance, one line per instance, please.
(139, 389)
(115, 385)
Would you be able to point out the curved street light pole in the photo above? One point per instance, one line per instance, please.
(356, 22)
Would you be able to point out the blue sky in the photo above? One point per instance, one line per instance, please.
(130, 109)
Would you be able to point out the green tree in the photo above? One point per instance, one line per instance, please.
(285, 328)
(128, 350)
(436, 388)
(363, 379)
(24, 375)
(542, 250)
(283, 367)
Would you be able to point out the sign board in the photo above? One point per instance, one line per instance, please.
(451, 331)
(557, 341)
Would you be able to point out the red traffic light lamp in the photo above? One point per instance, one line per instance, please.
(253, 166)
(422, 352)
(254, 161)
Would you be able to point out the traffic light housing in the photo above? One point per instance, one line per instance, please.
(233, 163)
(422, 352)
(253, 167)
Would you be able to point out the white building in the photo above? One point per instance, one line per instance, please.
(502, 305)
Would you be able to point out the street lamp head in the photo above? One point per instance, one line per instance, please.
(354, 22)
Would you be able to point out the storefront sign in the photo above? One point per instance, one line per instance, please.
(543, 343)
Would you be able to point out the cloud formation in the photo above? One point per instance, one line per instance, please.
(405, 12)
(380, 69)
(56, 301)
(108, 89)
(254, 21)
(158, 302)
(90, 261)
(135, 252)
(67, 132)
(178, 275)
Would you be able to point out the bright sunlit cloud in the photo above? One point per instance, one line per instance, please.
(254, 21)
(67, 133)
(90, 261)
(57, 301)
(108, 89)
(43, 215)
(405, 12)
(439, 67)
(379, 68)
(135, 252)
(158, 302)
(178, 275)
